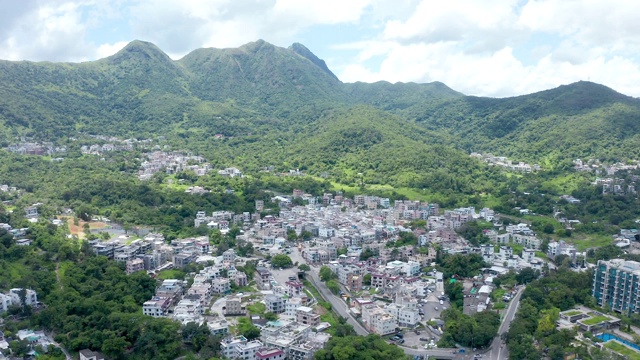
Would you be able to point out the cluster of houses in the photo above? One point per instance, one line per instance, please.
(187, 304)
(152, 253)
(35, 148)
(8, 189)
(505, 162)
(171, 163)
(279, 340)
(617, 186)
(595, 165)
(18, 297)
(18, 234)
(111, 144)
(230, 172)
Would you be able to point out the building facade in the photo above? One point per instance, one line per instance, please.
(616, 284)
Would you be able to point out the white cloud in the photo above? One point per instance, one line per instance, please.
(504, 48)
(105, 50)
(489, 47)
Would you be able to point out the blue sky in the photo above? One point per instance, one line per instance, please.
(492, 48)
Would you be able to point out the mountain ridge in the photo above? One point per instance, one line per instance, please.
(260, 88)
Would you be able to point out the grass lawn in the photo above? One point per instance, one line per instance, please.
(583, 242)
(625, 351)
(257, 308)
(171, 274)
(498, 294)
(595, 320)
(572, 313)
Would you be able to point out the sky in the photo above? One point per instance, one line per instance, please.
(495, 48)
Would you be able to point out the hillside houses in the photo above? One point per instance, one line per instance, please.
(506, 163)
(172, 163)
(18, 297)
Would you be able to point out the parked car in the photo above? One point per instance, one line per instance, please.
(417, 332)
(394, 338)
(424, 339)
(400, 335)
(401, 341)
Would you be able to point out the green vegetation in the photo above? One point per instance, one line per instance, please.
(257, 308)
(171, 274)
(284, 109)
(628, 353)
(281, 261)
(573, 313)
(470, 331)
(595, 320)
(540, 307)
(472, 231)
(370, 347)
(326, 274)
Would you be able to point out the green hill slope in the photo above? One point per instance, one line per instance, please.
(577, 120)
(285, 107)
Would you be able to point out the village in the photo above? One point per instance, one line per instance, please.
(390, 290)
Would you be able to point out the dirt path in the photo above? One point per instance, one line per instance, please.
(58, 275)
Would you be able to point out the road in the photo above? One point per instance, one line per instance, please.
(341, 309)
(498, 351)
(337, 304)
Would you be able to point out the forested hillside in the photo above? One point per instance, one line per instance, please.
(577, 120)
(284, 107)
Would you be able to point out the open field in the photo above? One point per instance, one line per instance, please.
(78, 230)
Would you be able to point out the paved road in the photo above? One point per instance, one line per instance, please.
(435, 353)
(337, 304)
(498, 351)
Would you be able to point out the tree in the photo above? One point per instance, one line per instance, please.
(247, 329)
(306, 235)
(527, 275)
(304, 267)
(281, 261)
(271, 316)
(291, 235)
(6, 238)
(366, 279)
(326, 274)
(333, 286)
(370, 347)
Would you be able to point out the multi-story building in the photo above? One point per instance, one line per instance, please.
(291, 306)
(156, 307)
(5, 302)
(377, 320)
(234, 306)
(275, 304)
(270, 354)
(135, 265)
(305, 315)
(616, 283)
(30, 297)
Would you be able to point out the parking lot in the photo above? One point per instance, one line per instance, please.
(433, 306)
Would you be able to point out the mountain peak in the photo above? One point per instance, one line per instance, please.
(141, 50)
(258, 45)
(307, 54)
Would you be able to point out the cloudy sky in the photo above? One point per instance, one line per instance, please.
(479, 47)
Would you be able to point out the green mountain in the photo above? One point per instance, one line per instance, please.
(582, 119)
(284, 107)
